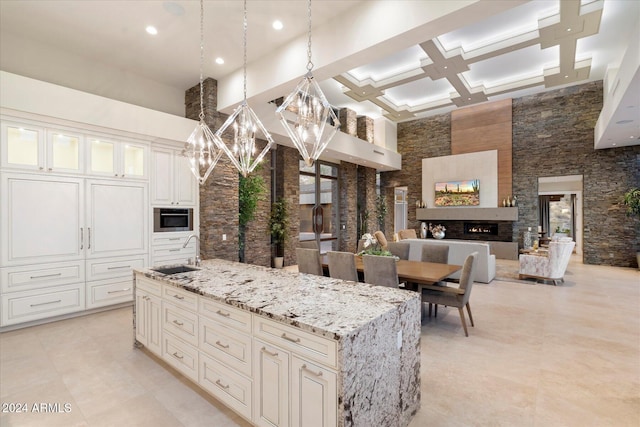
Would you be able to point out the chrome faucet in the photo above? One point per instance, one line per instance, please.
(197, 247)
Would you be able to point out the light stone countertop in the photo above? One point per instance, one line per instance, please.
(330, 307)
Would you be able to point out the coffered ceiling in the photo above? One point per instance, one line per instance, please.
(402, 59)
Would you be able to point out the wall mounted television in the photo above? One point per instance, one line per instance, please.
(458, 193)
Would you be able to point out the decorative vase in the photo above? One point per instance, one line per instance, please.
(438, 234)
(423, 230)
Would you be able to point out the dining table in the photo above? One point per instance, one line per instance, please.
(416, 274)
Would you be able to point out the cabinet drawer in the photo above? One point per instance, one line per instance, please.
(180, 322)
(174, 250)
(310, 346)
(108, 292)
(98, 269)
(180, 355)
(148, 285)
(170, 238)
(225, 314)
(181, 298)
(33, 305)
(231, 388)
(40, 276)
(226, 344)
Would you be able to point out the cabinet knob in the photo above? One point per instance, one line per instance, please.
(115, 175)
(50, 169)
(41, 168)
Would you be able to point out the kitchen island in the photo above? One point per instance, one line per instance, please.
(283, 348)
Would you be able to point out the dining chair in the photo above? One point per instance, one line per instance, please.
(381, 238)
(380, 270)
(454, 296)
(309, 261)
(399, 249)
(308, 244)
(342, 265)
(435, 253)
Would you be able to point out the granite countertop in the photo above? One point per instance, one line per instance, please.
(330, 307)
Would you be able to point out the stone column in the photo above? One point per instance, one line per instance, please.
(348, 121)
(348, 188)
(288, 186)
(365, 128)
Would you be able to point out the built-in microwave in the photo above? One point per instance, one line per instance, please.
(172, 219)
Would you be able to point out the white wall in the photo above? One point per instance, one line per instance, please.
(482, 165)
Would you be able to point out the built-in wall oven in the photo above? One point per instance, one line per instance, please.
(172, 219)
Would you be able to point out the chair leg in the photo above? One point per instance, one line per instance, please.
(470, 316)
(430, 307)
(435, 310)
(464, 323)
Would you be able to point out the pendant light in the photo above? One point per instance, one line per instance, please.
(243, 127)
(306, 114)
(200, 149)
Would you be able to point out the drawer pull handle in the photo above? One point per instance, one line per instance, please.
(317, 374)
(81, 238)
(89, 229)
(121, 266)
(45, 303)
(177, 356)
(175, 238)
(174, 250)
(264, 349)
(295, 340)
(223, 314)
(120, 290)
(178, 297)
(219, 344)
(178, 323)
(226, 387)
(46, 275)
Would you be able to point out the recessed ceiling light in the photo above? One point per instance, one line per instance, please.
(614, 144)
(566, 76)
(631, 137)
(568, 29)
(219, 61)
(277, 25)
(151, 30)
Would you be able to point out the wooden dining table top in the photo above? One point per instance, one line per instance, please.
(413, 271)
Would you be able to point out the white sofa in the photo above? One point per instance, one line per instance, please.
(485, 268)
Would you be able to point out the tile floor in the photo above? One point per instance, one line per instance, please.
(539, 355)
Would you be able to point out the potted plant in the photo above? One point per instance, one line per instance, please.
(631, 200)
(279, 229)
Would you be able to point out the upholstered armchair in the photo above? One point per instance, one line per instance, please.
(549, 267)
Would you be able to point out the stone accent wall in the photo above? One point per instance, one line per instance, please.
(365, 128)
(348, 121)
(257, 239)
(366, 200)
(219, 194)
(553, 136)
(417, 139)
(348, 190)
(288, 186)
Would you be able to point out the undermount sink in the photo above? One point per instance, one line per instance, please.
(176, 269)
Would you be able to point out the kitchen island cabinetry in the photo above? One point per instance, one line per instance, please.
(288, 349)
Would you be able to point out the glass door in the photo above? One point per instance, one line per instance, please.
(319, 205)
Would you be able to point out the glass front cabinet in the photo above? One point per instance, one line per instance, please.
(116, 158)
(31, 147)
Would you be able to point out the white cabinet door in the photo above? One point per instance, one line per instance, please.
(172, 182)
(148, 321)
(41, 219)
(117, 222)
(64, 151)
(314, 397)
(22, 146)
(271, 383)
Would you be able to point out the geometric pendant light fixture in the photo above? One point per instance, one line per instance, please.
(306, 114)
(200, 149)
(243, 127)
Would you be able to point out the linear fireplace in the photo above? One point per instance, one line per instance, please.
(484, 229)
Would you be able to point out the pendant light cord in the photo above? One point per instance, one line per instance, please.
(309, 63)
(201, 115)
(244, 46)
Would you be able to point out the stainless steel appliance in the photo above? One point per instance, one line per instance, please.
(171, 219)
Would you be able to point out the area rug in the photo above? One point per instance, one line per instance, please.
(507, 271)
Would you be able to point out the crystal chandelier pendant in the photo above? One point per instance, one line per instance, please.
(242, 129)
(308, 119)
(202, 152)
